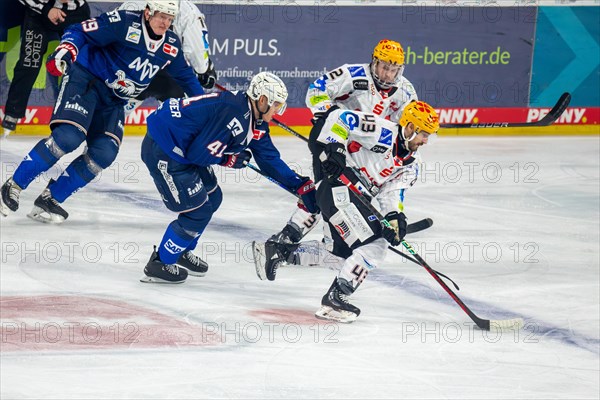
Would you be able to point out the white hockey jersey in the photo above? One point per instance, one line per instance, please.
(351, 87)
(190, 26)
(369, 142)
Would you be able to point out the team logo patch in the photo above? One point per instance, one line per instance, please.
(320, 83)
(76, 107)
(343, 229)
(133, 35)
(385, 137)
(170, 49)
(339, 131)
(172, 247)
(121, 86)
(195, 190)
(378, 149)
(257, 134)
(357, 71)
(360, 84)
(350, 119)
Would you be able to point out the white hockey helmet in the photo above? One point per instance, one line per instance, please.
(271, 86)
(170, 7)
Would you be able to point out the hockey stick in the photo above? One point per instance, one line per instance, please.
(484, 324)
(275, 121)
(410, 228)
(556, 111)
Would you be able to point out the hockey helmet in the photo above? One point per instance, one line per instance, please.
(271, 86)
(170, 7)
(423, 117)
(391, 55)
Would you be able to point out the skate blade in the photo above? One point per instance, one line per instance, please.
(329, 314)
(152, 279)
(194, 273)
(40, 215)
(4, 209)
(258, 251)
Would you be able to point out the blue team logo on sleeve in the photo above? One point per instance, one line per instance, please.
(350, 119)
(319, 83)
(357, 71)
(385, 137)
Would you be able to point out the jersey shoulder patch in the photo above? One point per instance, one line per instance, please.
(357, 70)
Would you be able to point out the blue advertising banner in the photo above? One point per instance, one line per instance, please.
(455, 56)
(567, 56)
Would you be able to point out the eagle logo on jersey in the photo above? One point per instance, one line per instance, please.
(121, 86)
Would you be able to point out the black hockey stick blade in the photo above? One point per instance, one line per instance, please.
(419, 225)
(555, 113)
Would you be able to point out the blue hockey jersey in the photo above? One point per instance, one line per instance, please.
(116, 48)
(203, 130)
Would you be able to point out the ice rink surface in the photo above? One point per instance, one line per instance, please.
(516, 225)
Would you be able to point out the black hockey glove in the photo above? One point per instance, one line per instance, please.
(394, 234)
(335, 163)
(236, 160)
(307, 193)
(61, 59)
(322, 115)
(209, 78)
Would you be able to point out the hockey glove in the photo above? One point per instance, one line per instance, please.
(394, 234)
(335, 163)
(61, 59)
(307, 193)
(209, 78)
(236, 160)
(322, 115)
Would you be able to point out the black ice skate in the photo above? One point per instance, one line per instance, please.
(157, 271)
(194, 264)
(9, 124)
(47, 209)
(269, 256)
(335, 305)
(9, 200)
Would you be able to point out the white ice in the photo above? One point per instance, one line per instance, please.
(516, 225)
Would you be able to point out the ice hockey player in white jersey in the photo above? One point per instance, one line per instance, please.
(380, 158)
(190, 26)
(379, 88)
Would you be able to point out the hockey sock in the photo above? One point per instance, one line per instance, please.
(77, 175)
(39, 159)
(174, 241)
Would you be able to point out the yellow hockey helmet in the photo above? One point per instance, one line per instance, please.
(387, 64)
(389, 51)
(423, 117)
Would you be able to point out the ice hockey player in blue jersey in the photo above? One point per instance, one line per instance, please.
(106, 60)
(185, 138)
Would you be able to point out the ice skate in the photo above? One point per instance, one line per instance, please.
(9, 124)
(157, 271)
(335, 305)
(194, 264)
(269, 256)
(46, 209)
(9, 199)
